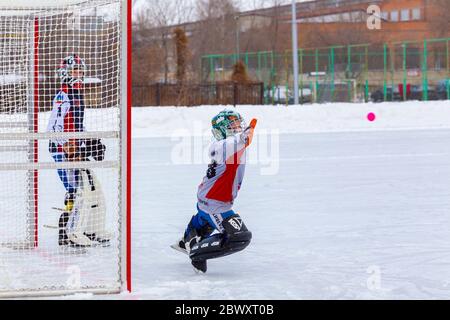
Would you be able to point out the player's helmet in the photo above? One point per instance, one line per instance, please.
(68, 65)
(226, 124)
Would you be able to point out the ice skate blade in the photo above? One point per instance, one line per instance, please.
(179, 249)
(102, 244)
(200, 267)
(199, 272)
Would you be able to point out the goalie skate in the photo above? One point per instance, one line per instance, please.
(99, 240)
(185, 246)
(200, 266)
(180, 247)
(77, 240)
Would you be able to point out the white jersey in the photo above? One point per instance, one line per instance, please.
(67, 115)
(226, 172)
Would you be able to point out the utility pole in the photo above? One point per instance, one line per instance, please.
(295, 51)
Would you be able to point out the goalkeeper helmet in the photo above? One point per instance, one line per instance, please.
(68, 66)
(226, 124)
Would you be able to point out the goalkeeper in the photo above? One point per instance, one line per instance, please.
(68, 116)
(216, 230)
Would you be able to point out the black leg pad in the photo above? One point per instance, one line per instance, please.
(220, 245)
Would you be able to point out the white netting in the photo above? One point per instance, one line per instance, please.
(33, 42)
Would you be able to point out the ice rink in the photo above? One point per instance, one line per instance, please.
(361, 215)
(340, 207)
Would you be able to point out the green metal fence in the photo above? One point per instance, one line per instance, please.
(356, 73)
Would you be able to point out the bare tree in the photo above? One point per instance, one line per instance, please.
(263, 30)
(182, 52)
(154, 33)
(215, 29)
(217, 25)
(146, 55)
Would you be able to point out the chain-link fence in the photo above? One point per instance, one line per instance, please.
(356, 73)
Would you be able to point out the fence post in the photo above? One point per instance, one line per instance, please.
(333, 73)
(404, 72)
(366, 91)
(261, 88)
(425, 71)
(385, 72)
(349, 72)
(158, 94)
(223, 68)
(301, 77)
(366, 72)
(286, 66)
(212, 69)
(201, 68)
(272, 75)
(317, 76)
(259, 67)
(448, 71)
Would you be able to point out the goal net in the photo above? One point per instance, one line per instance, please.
(38, 179)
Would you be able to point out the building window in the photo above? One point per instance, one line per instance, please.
(416, 14)
(394, 16)
(405, 15)
(385, 15)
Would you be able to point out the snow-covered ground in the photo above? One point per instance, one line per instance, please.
(340, 207)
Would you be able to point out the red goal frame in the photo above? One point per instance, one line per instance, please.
(129, 137)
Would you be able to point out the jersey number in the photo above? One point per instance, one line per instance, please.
(212, 172)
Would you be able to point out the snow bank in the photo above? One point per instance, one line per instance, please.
(337, 117)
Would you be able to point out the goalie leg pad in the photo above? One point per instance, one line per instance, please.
(70, 239)
(86, 222)
(96, 206)
(235, 239)
(218, 246)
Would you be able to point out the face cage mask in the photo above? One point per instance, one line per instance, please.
(236, 126)
(67, 77)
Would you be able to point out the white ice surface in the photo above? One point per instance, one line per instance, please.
(357, 209)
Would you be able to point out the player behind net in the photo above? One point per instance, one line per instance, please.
(216, 230)
(82, 223)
